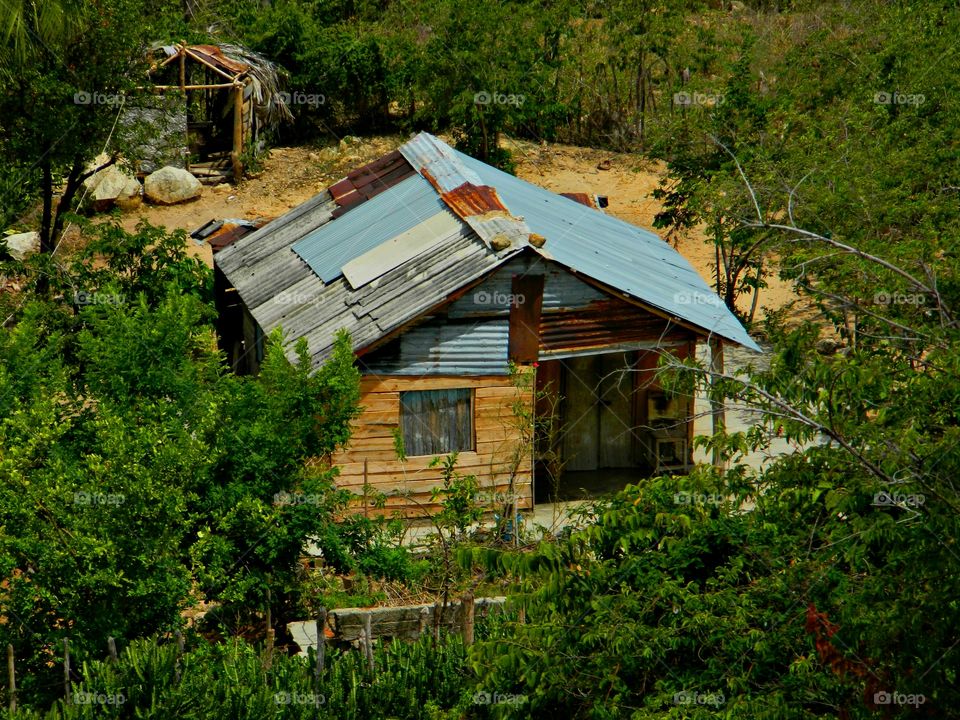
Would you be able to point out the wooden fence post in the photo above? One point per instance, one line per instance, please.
(12, 675)
(66, 669)
(424, 620)
(321, 643)
(112, 647)
(468, 610)
(368, 640)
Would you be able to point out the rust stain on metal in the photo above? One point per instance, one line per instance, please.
(370, 180)
(582, 198)
(603, 323)
(468, 200)
(229, 233)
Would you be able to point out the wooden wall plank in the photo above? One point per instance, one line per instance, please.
(370, 457)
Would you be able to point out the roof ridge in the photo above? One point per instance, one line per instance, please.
(462, 190)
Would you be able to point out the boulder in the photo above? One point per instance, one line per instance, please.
(22, 244)
(170, 185)
(105, 188)
(131, 196)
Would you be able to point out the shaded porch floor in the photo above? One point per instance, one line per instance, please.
(590, 484)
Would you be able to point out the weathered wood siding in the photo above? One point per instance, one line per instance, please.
(370, 457)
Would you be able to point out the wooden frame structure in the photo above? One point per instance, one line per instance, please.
(236, 79)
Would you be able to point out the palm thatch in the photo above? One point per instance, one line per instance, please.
(265, 75)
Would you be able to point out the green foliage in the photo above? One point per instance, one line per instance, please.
(231, 679)
(457, 496)
(138, 475)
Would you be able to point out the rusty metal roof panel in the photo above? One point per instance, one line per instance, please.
(370, 180)
(582, 198)
(328, 248)
(213, 55)
(463, 191)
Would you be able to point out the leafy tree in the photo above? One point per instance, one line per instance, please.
(65, 71)
(139, 476)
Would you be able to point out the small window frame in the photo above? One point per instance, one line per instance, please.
(443, 401)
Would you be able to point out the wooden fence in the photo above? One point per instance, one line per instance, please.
(408, 622)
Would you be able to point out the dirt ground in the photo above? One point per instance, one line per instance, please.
(291, 175)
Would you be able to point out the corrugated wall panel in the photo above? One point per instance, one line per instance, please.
(441, 348)
(561, 289)
(606, 323)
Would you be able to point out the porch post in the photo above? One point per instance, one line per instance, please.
(717, 409)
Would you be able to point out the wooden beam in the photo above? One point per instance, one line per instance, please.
(237, 133)
(161, 88)
(527, 300)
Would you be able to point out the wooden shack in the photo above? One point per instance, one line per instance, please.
(229, 95)
(478, 304)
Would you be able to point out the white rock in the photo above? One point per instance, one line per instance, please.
(22, 244)
(104, 187)
(131, 196)
(170, 185)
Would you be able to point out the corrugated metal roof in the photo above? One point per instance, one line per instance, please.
(461, 189)
(305, 291)
(615, 253)
(328, 248)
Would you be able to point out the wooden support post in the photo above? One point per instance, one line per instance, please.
(717, 410)
(368, 641)
(321, 644)
(183, 86)
(237, 133)
(468, 616)
(112, 648)
(66, 670)
(424, 621)
(12, 678)
(268, 652)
